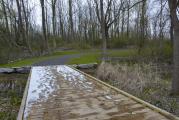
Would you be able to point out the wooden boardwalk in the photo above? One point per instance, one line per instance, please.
(64, 93)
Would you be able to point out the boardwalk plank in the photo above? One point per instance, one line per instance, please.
(64, 93)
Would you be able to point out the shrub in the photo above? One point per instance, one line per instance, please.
(118, 42)
(77, 45)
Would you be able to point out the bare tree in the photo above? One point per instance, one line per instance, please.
(105, 19)
(128, 17)
(6, 19)
(80, 17)
(21, 30)
(171, 29)
(122, 22)
(161, 20)
(61, 19)
(71, 29)
(174, 6)
(142, 25)
(25, 11)
(45, 45)
(54, 22)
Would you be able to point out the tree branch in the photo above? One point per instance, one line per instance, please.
(108, 8)
(97, 10)
(117, 15)
(135, 4)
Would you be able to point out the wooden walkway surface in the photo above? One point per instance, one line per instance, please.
(64, 93)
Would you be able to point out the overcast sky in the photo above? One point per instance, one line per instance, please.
(153, 7)
(36, 10)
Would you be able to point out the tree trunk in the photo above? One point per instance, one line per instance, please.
(61, 24)
(171, 30)
(175, 81)
(142, 27)
(20, 24)
(6, 21)
(103, 31)
(128, 17)
(122, 26)
(173, 4)
(46, 46)
(27, 27)
(54, 22)
(70, 19)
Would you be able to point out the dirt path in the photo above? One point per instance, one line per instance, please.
(57, 61)
(62, 93)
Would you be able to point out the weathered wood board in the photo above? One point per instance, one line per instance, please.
(63, 93)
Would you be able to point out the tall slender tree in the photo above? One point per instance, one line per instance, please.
(174, 6)
(25, 11)
(142, 25)
(45, 43)
(128, 17)
(71, 29)
(6, 19)
(106, 20)
(54, 22)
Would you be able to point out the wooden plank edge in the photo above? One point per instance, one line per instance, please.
(23, 103)
(154, 108)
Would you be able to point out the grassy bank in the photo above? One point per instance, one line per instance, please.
(96, 56)
(33, 60)
(88, 56)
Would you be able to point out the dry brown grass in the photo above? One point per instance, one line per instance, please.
(141, 80)
(133, 78)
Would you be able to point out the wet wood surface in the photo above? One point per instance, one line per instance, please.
(62, 93)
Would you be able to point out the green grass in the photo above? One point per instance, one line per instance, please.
(89, 56)
(86, 58)
(95, 56)
(122, 53)
(31, 61)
